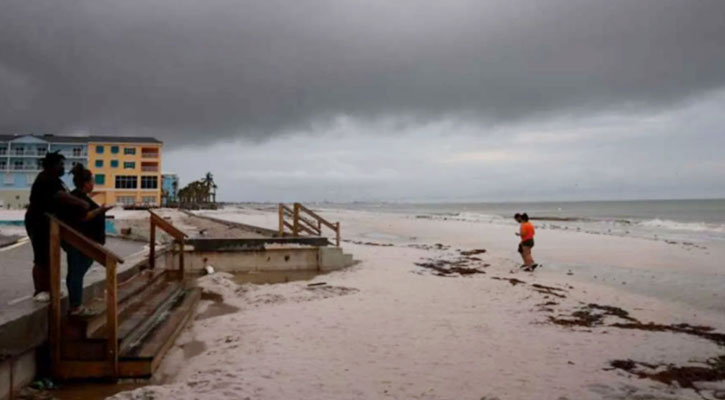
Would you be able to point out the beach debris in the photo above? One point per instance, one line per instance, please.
(471, 252)
(512, 281)
(549, 290)
(466, 265)
(592, 315)
(209, 270)
(704, 332)
(125, 231)
(316, 284)
(369, 243)
(448, 268)
(690, 377)
(569, 273)
(435, 246)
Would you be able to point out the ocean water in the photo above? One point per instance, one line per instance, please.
(680, 220)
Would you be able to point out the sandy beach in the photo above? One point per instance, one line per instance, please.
(389, 328)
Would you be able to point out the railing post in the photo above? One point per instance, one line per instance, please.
(54, 265)
(337, 230)
(296, 221)
(181, 258)
(112, 314)
(152, 244)
(281, 219)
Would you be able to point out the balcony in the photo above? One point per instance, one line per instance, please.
(3, 152)
(149, 167)
(28, 168)
(149, 154)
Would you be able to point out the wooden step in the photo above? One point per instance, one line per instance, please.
(82, 327)
(154, 346)
(140, 361)
(139, 316)
(149, 305)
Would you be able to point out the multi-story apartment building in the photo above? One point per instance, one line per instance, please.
(127, 170)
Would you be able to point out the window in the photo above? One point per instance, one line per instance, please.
(19, 151)
(99, 163)
(40, 151)
(149, 182)
(126, 200)
(114, 149)
(39, 165)
(3, 164)
(129, 165)
(100, 179)
(99, 149)
(129, 151)
(77, 151)
(148, 200)
(126, 182)
(114, 163)
(3, 150)
(17, 164)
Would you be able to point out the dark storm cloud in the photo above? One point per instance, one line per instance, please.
(191, 71)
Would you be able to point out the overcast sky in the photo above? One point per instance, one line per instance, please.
(386, 100)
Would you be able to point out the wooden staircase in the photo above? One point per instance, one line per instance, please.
(298, 219)
(132, 326)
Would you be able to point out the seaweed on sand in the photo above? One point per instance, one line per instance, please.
(684, 376)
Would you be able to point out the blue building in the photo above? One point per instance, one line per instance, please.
(169, 189)
(20, 163)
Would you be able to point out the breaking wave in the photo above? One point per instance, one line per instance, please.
(682, 226)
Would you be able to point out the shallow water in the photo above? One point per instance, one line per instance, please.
(272, 277)
(94, 391)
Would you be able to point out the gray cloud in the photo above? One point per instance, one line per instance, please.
(195, 71)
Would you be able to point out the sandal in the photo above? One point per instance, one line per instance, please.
(81, 311)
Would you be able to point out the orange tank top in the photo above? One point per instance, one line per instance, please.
(527, 231)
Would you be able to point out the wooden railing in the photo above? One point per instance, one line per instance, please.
(299, 219)
(59, 231)
(158, 221)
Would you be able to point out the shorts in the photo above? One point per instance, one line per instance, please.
(528, 243)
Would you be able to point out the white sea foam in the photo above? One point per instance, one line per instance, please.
(682, 226)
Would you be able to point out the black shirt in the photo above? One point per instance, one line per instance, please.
(42, 200)
(94, 228)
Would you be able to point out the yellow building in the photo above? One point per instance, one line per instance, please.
(127, 171)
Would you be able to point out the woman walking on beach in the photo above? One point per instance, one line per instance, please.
(92, 224)
(527, 241)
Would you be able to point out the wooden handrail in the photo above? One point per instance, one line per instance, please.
(301, 223)
(59, 231)
(178, 235)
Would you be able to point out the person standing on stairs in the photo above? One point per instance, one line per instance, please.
(47, 195)
(92, 224)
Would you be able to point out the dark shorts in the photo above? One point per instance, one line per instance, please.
(528, 243)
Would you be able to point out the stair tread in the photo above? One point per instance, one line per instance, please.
(126, 291)
(161, 337)
(144, 306)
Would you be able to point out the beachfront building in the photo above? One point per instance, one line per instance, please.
(126, 169)
(169, 189)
